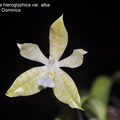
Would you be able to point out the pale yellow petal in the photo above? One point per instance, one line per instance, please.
(65, 89)
(58, 38)
(31, 51)
(74, 60)
(27, 82)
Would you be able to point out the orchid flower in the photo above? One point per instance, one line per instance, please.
(50, 75)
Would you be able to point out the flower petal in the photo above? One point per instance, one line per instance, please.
(27, 82)
(31, 51)
(58, 38)
(74, 60)
(65, 89)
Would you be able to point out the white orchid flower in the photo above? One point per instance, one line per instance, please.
(50, 75)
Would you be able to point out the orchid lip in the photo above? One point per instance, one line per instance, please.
(46, 81)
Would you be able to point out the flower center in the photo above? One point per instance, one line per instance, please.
(47, 80)
(52, 65)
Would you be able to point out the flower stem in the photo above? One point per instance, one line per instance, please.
(79, 115)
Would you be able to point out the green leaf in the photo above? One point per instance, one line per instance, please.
(101, 88)
(116, 77)
(65, 112)
(84, 98)
(95, 108)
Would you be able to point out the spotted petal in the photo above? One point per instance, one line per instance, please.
(58, 38)
(27, 82)
(65, 89)
(31, 51)
(74, 60)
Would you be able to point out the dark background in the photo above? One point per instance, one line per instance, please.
(93, 26)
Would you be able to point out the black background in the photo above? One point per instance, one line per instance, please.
(93, 26)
